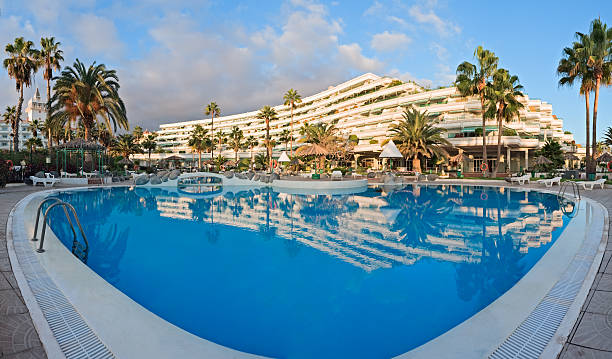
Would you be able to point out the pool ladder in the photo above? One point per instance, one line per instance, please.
(80, 250)
(575, 189)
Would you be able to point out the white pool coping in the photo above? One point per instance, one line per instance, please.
(104, 307)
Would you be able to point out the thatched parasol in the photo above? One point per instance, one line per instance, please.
(605, 157)
(541, 160)
(312, 150)
(458, 158)
(125, 161)
(173, 158)
(570, 157)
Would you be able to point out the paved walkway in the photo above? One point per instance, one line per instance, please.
(18, 337)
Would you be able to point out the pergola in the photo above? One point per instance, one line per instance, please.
(63, 153)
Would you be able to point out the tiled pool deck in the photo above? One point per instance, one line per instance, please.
(591, 336)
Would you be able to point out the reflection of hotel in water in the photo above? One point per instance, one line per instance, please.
(365, 238)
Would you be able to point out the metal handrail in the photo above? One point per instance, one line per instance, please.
(74, 242)
(38, 215)
(575, 189)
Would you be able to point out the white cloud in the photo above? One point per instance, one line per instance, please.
(97, 35)
(429, 17)
(389, 41)
(444, 76)
(374, 9)
(352, 56)
(441, 51)
(398, 20)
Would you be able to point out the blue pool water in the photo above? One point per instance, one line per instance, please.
(369, 275)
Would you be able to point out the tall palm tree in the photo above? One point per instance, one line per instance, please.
(502, 103)
(285, 137)
(574, 67)
(49, 58)
(149, 144)
(292, 97)
(221, 139)
(21, 65)
(608, 136)
(126, 146)
(268, 114)
(320, 135)
(10, 117)
(236, 141)
(213, 110)
(86, 93)
(472, 80)
(418, 136)
(251, 142)
(599, 54)
(34, 127)
(137, 132)
(197, 141)
(32, 143)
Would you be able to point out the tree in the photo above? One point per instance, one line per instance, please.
(126, 146)
(49, 58)
(236, 141)
(472, 80)
(10, 117)
(86, 93)
(268, 114)
(261, 161)
(137, 133)
(34, 127)
(32, 143)
(417, 136)
(221, 139)
(197, 141)
(250, 143)
(598, 51)
(502, 103)
(323, 135)
(608, 136)
(285, 137)
(291, 98)
(149, 144)
(553, 151)
(213, 110)
(21, 65)
(574, 67)
(105, 137)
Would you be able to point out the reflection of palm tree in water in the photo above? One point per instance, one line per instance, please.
(266, 231)
(419, 216)
(324, 210)
(109, 247)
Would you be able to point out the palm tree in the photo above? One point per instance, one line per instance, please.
(10, 117)
(269, 114)
(251, 142)
(105, 137)
(236, 141)
(32, 143)
(86, 93)
(21, 65)
(598, 51)
(572, 67)
(418, 136)
(285, 137)
(608, 136)
(320, 135)
(221, 139)
(472, 80)
(197, 141)
(503, 104)
(292, 98)
(149, 144)
(34, 127)
(49, 58)
(213, 110)
(137, 133)
(126, 146)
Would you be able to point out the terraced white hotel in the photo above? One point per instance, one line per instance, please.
(367, 105)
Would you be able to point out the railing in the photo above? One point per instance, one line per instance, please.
(568, 207)
(80, 250)
(575, 189)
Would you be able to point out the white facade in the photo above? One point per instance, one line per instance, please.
(367, 105)
(35, 110)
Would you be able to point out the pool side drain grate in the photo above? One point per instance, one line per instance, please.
(74, 336)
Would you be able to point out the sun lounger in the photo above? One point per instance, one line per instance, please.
(336, 176)
(521, 180)
(550, 181)
(591, 184)
(67, 175)
(47, 181)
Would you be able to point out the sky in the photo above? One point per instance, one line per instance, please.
(174, 57)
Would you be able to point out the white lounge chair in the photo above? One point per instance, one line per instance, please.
(336, 176)
(47, 181)
(550, 181)
(521, 180)
(591, 184)
(67, 175)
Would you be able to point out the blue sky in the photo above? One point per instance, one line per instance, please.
(175, 56)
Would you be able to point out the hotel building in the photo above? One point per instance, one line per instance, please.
(367, 105)
(35, 110)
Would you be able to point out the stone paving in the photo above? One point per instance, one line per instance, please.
(591, 336)
(18, 337)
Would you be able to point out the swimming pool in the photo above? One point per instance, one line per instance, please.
(373, 274)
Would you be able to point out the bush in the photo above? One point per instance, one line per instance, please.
(3, 173)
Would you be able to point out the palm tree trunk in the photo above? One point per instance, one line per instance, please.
(17, 119)
(212, 134)
(49, 110)
(199, 160)
(291, 122)
(594, 137)
(484, 133)
(149, 158)
(499, 136)
(588, 133)
(416, 164)
(269, 149)
(236, 157)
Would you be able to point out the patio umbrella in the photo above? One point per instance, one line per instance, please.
(312, 150)
(283, 157)
(125, 161)
(541, 160)
(570, 157)
(605, 157)
(173, 158)
(390, 151)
